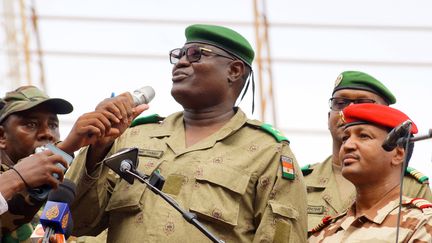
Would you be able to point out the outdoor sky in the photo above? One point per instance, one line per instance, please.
(388, 39)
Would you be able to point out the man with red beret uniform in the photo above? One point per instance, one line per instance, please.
(328, 192)
(375, 173)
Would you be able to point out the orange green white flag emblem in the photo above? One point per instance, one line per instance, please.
(287, 167)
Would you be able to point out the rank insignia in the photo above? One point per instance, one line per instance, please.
(287, 167)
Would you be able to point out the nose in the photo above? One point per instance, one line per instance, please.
(46, 133)
(349, 145)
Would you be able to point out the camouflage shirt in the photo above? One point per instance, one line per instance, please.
(323, 194)
(233, 180)
(379, 223)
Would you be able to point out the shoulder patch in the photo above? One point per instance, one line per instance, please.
(154, 118)
(306, 170)
(421, 203)
(274, 132)
(287, 167)
(420, 177)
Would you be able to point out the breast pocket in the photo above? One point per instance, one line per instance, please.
(217, 194)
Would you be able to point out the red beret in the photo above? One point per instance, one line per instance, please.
(371, 113)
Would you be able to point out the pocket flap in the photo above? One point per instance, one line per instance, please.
(226, 177)
(284, 210)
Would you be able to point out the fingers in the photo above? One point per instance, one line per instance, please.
(120, 106)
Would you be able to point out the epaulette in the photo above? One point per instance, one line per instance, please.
(324, 222)
(306, 170)
(327, 220)
(154, 118)
(420, 177)
(270, 130)
(421, 203)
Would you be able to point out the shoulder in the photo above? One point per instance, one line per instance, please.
(269, 129)
(417, 175)
(424, 205)
(309, 168)
(154, 118)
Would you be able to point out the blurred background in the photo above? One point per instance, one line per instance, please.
(83, 50)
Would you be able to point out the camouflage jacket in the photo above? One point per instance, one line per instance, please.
(15, 223)
(379, 224)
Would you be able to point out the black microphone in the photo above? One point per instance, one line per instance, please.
(392, 138)
(56, 217)
(143, 95)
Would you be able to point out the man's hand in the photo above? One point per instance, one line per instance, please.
(38, 169)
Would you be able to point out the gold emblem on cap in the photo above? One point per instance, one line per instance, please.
(342, 117)
(338, 80)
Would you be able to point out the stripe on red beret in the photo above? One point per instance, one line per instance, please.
(381, 115)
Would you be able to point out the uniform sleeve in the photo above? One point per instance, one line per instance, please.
(281, 210)
(92, 196)
(423, 231)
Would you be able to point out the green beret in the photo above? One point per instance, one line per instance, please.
(28, 97)
(363, 81)
(221, 37)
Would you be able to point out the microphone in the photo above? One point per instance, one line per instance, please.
(392, 138)
(143, 95)
(41, 193)
(56, 217)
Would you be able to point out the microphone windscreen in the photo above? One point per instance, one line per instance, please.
(64, 193)
(143, 95)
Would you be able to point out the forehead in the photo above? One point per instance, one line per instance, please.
(359, 94)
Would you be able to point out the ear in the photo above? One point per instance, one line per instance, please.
(236, 70)
(398, 157)
(2, 137)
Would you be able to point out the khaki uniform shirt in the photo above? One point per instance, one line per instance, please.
(232, 180)
(324, 198)
(379, 224)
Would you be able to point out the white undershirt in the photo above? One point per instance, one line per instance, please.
(3, 205)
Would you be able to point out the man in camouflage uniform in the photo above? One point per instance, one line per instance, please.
(28, 119)
(375, 173)
(329, 193)
(238, 175)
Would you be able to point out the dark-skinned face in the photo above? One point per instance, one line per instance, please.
(24, 131)
(202, 84)
(362, 157)
(335, 124)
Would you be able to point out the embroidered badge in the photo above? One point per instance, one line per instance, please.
(287, 167)
(150, 153)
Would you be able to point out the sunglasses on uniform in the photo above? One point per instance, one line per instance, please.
(193, 54)
(337, 104)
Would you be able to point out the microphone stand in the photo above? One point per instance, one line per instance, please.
(188, 216)
(404, 142)
(401, 141)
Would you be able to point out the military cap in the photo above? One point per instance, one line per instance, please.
(223, 38)
(363, 81)
(28, 97)
(376, 114)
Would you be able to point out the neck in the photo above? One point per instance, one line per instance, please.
(335, 155)
(5, 159)
(366, 197)
(199, 125)
(207, 118)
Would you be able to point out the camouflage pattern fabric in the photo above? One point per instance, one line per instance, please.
(379, 224)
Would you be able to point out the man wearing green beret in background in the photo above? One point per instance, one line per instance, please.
(237, 175)
(329, 193)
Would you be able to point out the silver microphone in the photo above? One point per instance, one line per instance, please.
(143, 95)
(125, 165)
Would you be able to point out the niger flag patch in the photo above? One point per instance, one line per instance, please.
(287, 167)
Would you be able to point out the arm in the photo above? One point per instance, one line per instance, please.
(281, 210)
